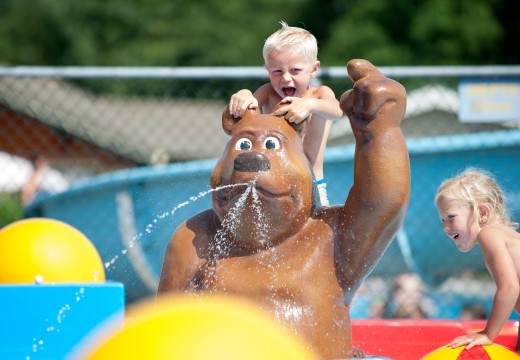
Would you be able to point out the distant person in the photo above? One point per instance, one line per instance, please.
(472, 312)
(473, 211)
(407, 299)
(290, 56)
(43, 179)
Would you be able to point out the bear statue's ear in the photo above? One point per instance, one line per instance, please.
(228, 120)
(300, 127)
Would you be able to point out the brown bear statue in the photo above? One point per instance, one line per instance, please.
(265, 238)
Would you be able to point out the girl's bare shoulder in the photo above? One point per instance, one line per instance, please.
(498, 233)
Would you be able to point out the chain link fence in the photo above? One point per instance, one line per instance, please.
(119, 152)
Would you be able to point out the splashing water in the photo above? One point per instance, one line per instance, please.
(287, 310)
(150, 227)
(221, 244)
(230, 223)
(61, 315)
(267, 258)
(262, 225)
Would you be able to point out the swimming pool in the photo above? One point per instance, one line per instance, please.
(130, 215)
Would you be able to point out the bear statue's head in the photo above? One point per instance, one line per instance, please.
(265, 158)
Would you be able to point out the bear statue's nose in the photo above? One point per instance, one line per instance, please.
(251, 161)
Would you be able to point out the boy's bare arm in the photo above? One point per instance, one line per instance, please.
(322, 103)
(244, 99)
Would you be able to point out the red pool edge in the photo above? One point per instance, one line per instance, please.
(403, 339)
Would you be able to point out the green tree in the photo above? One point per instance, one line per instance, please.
(140, 33)
(401, 32)
(10, 208)
(509, 52)
(213, 33)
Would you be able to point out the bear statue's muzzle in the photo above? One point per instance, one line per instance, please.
(251, 162)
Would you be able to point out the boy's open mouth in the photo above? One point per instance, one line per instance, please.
(455, 236)
(289, 91)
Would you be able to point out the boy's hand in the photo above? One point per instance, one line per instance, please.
(296, 110)
(241, 101)
(470, 340)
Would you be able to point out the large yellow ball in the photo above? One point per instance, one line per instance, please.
(40, 250)
(200, 328)
(486, 352)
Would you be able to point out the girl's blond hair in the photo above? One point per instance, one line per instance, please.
(474, 187)
(292, 39)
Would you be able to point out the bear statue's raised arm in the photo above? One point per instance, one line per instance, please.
(377, 202)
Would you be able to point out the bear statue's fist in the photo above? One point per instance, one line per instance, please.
(372, 97)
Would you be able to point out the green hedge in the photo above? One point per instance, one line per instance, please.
(10, 208)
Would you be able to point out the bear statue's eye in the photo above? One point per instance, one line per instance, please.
(243, 144)
(272, 143)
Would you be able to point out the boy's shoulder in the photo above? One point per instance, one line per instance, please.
(320, 92)
(266, 90)
(267, 97)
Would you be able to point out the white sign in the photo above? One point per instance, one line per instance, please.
(489, 100)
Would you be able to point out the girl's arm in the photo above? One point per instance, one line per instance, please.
(501, 267)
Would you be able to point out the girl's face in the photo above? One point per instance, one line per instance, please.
(289, 73)
(458, 223)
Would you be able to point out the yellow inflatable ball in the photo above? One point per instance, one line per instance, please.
(486, 352)
(199, 328)
(41, 250)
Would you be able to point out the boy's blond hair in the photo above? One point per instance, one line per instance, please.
(474, 187)
(292, 39)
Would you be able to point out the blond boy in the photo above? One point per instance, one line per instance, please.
(290, 56)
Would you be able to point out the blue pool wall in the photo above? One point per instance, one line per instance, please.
(128, 214)
(47, 321)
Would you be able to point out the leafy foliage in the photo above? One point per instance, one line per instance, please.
(10, 208)
(213, 33)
